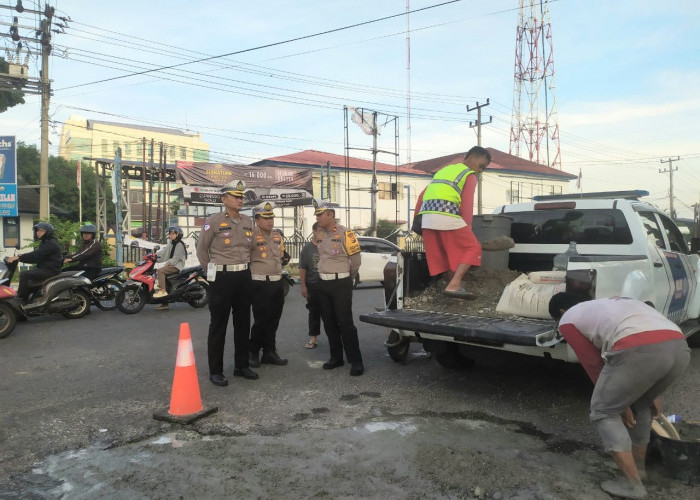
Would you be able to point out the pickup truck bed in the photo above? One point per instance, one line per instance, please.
(474, 329)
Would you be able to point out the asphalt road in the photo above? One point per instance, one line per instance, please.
(92, 384)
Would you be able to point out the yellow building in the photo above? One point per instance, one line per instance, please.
(81, 138)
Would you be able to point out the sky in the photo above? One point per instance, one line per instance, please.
(626, 79)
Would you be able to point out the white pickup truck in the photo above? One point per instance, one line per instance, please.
(626, 247)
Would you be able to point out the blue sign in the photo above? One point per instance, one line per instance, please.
(8, 176)
(8, 160)
(8, 200)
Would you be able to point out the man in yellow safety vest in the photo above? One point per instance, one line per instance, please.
(447, 208)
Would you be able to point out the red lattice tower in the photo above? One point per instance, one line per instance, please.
(534, 131)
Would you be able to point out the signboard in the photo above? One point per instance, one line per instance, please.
(283, 186)
(202, 195)
(8, 176)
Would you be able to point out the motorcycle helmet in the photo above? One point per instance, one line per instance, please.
(89, 228)
(43, 225)
(177, 229)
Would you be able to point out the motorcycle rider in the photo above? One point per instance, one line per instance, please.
(88, 258)
(47, 257)
(174, 255)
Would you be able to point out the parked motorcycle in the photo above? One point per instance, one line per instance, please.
(189, 285)
(67, 293)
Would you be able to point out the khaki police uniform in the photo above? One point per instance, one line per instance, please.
(339, 262)
(268, 291)
(227, 242)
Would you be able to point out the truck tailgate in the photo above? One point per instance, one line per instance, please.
(476, 329)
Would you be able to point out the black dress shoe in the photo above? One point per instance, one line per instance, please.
(272, 358)
(245, 373)
(357, 369)
(219, 380)
(253, 360)
(332, 363)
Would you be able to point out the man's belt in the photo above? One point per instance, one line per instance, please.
(231, 267)
(266, 277)
(333, 276)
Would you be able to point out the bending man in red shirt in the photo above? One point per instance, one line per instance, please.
(632, 353)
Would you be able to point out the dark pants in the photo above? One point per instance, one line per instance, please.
(268, 301)
(33, 276)
(230, 295)
(336, 311)
(313, 304)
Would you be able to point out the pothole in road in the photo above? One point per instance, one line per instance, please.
(407, 457)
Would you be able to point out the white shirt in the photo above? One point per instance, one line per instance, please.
(605, 321)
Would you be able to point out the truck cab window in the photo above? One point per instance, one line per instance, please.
(652, 228)
(674, 235)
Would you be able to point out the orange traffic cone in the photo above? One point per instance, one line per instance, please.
(185, 400)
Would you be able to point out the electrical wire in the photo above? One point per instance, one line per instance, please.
(260, 47)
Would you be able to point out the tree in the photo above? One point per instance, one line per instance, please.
(10, 91)
(63, 176)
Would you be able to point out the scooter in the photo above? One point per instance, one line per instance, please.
(189, 285)
(67, 293)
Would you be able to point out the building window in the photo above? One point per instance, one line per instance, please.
(136, 195)
(512, 195)
(127, 149)
(10, 231)
(115, 146)
(171, 153)
(387, 191)
(105, 148)
(139, 150)
(183, 153)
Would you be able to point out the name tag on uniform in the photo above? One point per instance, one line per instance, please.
(211, 272)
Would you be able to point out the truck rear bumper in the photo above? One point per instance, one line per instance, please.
(473, 329)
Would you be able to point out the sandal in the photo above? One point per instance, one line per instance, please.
(311, 345)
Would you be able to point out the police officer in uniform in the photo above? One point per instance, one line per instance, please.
(339, 261)
(268, 293)
(224, 248)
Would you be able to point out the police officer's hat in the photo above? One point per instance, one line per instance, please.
(234, 188)
(321, 206)
(264, 210)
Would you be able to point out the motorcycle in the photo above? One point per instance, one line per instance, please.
(105, 287)
(189, 285)
(67, 293)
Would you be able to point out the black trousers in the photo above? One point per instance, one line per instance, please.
(32, 275)
(336, 311)
(268, 302)
(313, 304)
(230, 295)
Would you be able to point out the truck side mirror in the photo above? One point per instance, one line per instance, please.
(695, 245)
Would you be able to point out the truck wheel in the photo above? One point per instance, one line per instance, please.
(397, 346)
(451, 358)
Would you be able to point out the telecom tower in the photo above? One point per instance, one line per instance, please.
(534, 131)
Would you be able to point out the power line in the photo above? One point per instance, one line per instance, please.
(259, 47)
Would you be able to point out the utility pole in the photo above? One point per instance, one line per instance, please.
(478, 123)
(43, 85)
(670, 179)
(44, 207)
(373, 189)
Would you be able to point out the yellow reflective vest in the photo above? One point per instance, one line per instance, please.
(444, 193)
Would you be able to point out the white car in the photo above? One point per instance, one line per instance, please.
(376, 253)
